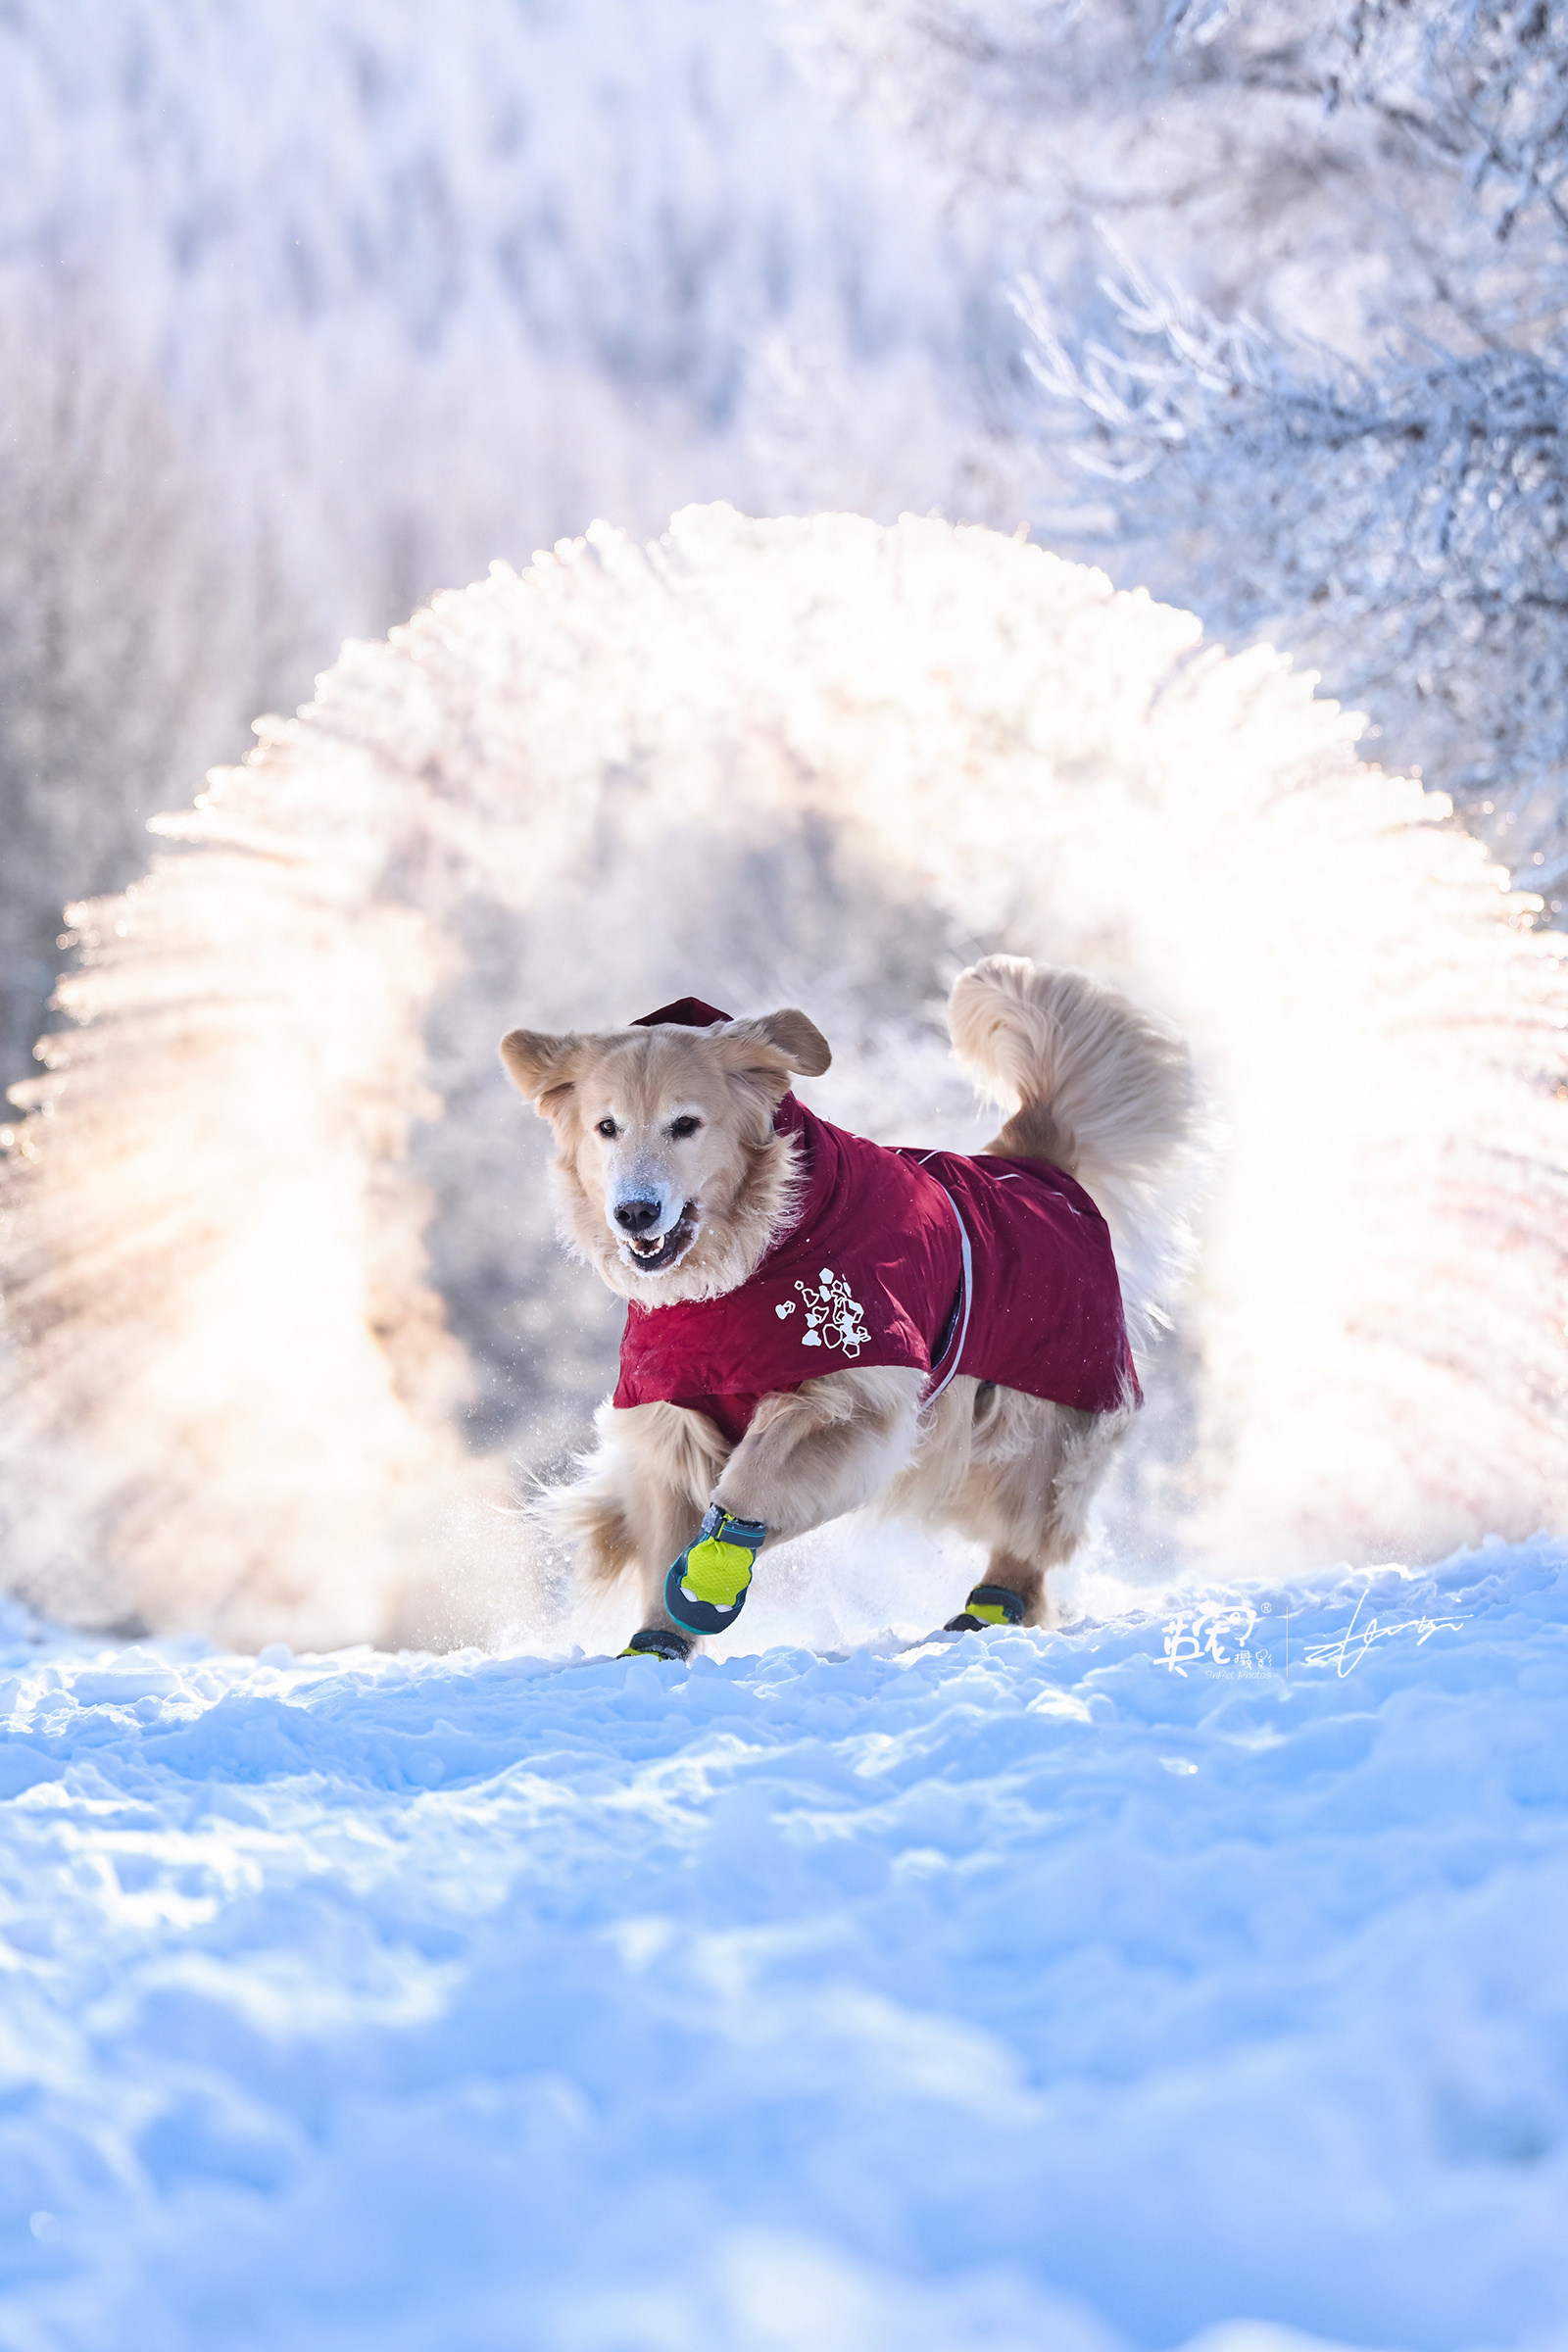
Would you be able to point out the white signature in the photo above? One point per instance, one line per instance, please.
(1203, 1634)
(1318, 1653)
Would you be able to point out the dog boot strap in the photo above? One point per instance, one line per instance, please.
(705, 1588)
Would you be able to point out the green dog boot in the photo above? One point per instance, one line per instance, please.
(987, 1605)
(659, 1642)
(705, 1589)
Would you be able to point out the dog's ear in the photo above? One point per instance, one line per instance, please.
(799, 1042)
(542, 1068)
(760, 1055)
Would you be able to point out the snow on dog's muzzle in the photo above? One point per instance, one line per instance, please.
(653, 1229)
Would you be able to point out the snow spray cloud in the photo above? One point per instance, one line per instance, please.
(284, 1314)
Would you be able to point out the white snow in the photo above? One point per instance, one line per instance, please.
(1052, 1990)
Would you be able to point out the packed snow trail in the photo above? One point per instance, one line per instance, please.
(1020, 1990)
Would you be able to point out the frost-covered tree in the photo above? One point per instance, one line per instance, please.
(407, 289)
(276, 1324)
(113, 634)
(1320, 390)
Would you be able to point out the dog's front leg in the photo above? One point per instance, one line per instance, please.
(823, 1448)
(808, 1455)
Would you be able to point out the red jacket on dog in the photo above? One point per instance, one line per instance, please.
(997, 1268)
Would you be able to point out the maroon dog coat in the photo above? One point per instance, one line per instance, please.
(997, 1268)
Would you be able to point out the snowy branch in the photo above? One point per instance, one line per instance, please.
(1414, 520)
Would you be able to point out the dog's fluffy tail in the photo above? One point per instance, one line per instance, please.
(1102, 1090)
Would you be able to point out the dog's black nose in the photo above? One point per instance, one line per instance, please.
(635, 1217)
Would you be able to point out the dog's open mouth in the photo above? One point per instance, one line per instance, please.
(656, 1254)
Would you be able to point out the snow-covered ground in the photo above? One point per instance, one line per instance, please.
(1107, 1987)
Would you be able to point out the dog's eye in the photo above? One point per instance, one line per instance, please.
(681, 1128)
(606, 1127)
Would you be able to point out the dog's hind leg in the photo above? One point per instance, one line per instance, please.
(1032, 1478)
(1012, 1592)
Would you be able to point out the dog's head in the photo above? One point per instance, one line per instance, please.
(671, 1179)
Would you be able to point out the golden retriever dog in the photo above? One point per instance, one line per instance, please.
(817, 1323)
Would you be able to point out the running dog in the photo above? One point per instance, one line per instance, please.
(816, 1322)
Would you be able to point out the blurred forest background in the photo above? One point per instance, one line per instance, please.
(309, 311)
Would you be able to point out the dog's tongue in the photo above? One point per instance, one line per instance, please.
(687, 1013)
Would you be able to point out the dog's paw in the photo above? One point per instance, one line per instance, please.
(659, 1642)
(987, 1605)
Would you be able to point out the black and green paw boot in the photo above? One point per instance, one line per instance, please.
(705, 1589)
(659, 1642)
(987, 1605)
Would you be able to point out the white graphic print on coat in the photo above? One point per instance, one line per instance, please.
(833, 1320)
